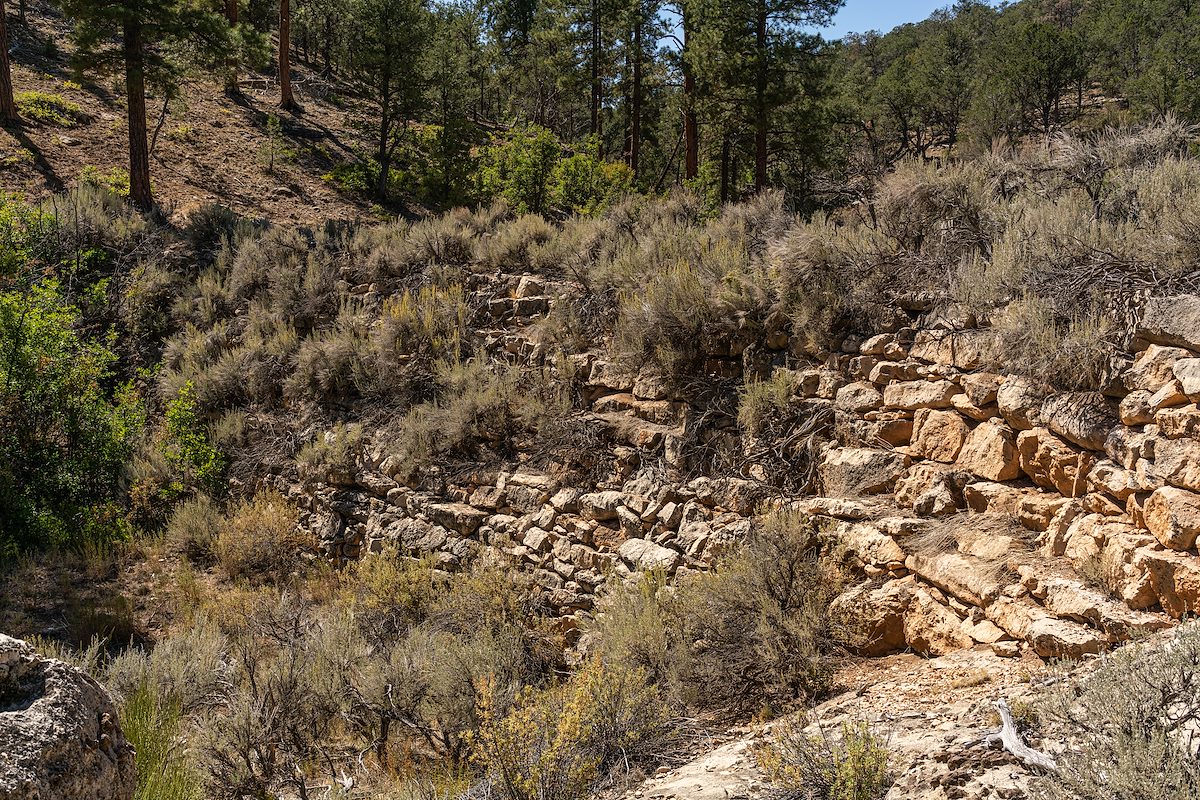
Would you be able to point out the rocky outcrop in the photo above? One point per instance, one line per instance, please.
(973, 509)
(59, 737)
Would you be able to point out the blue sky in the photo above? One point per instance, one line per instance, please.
(858, 16)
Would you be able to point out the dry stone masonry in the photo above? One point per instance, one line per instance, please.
(976, 509)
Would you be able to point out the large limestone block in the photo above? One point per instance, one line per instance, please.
(870, 546)
(963, 349)
(1082, 418)
(972, 580)
(1175, 578)
(1020, 402)
(600, 506)
(932, 490)
(855, 471)
(873, 616)
(1177, 462)
(1049, 636)
(1187, 372)
(938, 435)
(990, 452)
(1180, 422)
(1153, 368)
(1052, 463)
(911, 395)
(1173, 516)
(1071, 599)
(1171, 321)
(858, 397)
(59, 735)
(933, 629)
(458, 517)
(646, 555)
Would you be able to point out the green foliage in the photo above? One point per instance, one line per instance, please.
(754, 635)
(274, 150)
(851, 765)
(761, 400)
(584, 183)
(192, 458)
(556, 743)
(65, 431)
(48, 109)
(152, 725)
(519, 168)
(115, 180)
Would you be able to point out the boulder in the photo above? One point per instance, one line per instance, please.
(1049, 636)
(931, 628)
(1173, 516)
(854, 471)
(1174, 578)
(1177, 462)
(1127, 446)
(911, 395)
(458, 517)
(1187, 372)
(645, 555)
(938, 435)
(600, 506)
(1171, 321)
(1153, 368)
(1052, 463)
(1020, 401)
(1135, 408)
(873, 616)
(1082, 418)
(858, 397)
(981, 387)
(1180, 422)
(932, 490)
(969, 579)
(962, 349)
(59, 735)
(997, 498)
(869, 545)
(990, 452)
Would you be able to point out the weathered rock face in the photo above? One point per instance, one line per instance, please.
(59, 737)
(1172, 321)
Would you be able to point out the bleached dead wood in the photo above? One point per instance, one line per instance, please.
(1010, 738)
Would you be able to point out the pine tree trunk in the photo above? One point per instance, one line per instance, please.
(135, 90)
(691, 130)
(286, 98)
(635, 127)
(8, 108)
(760, 99)
(231, 64)
(384, 156)
(595, 67)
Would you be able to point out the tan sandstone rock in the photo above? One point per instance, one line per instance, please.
(911, 395)
(855, 471)
(1173, 516)
(1052, 463)
(938, 435)
(931, 628)
(990, 452)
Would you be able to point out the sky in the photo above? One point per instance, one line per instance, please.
(858, 16)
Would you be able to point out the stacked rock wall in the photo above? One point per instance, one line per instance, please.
(979, 508)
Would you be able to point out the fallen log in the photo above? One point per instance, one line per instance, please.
(1010, 738)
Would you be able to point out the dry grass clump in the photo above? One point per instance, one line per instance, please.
(261, 539)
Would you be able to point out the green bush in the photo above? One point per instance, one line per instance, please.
(65, 433)
(520, 166)
(48, 109)
(152, 726)
(558, 743)
(584, 183)
(852, 765)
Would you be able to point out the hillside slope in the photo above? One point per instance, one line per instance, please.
(212, 148)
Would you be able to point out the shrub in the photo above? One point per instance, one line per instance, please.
(1072, 354)
(195, 462)
(1131, 724)
(519, 167)
(759, 400)
(584, 183)
(152, 726)
(261, 539)
(557, 743)
(758, 626)
(192, 529)
(48, 109)
(850, 766)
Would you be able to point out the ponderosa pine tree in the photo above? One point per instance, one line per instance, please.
(8, 108)
(147, 40)
(287, 99)
(389, 62)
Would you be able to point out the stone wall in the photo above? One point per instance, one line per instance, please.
(977, 508)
